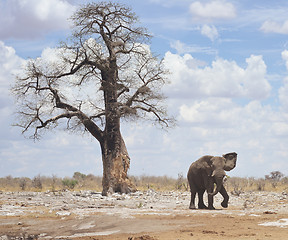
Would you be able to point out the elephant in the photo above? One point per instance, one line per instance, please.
(206, 171)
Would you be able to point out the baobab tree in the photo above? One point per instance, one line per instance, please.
(104, 73)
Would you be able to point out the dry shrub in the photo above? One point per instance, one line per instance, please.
(235, 185)
(54, 183)
(37, 182)
(159, 183)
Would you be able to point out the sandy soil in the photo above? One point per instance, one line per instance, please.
(140, 216)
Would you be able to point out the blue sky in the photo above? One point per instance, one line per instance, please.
(228, 87)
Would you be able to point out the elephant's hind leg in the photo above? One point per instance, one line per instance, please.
(210, 202)
(192, 202)
(201, 204)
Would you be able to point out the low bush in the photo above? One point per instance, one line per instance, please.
(69, 183)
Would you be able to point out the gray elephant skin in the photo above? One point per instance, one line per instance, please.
(206, 171)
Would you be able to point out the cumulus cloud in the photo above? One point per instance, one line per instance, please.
(213, 121)
(284, 55)
(210, 122)
(56, 150)
(223, 112)
(222, 79)
(9, 64)
(213, 10)
(270, 26)
(283, 90)
(210, 32)
(211, 111)
(219, 125)
(31, 18)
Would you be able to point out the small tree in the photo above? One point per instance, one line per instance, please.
(23, 183)
(70, 183)
(274, 177)
(37, 182)
(181, 182)
(53, 184)
(79, 176)
(105, 73)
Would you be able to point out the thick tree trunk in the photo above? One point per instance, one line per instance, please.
(116, 161)
(115, 168)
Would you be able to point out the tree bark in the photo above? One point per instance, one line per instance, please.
(116, 164)
(116, 161)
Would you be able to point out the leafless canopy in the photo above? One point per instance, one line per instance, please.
(106, 68)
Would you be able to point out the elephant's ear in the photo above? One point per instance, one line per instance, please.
(230, 161)
(208, 169)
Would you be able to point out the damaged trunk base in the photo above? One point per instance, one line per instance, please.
(115, 177)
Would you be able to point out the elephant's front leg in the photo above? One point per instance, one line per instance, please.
(210, 188)
(225, 195)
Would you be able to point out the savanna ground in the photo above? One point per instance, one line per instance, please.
(55, 208)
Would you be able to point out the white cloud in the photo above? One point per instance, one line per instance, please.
(283, 94)
(219, 125)
(256, 85)
(215, 9)
(214, 113)
(275, 27)
(210, 32)
(181, 47)
(283, 90)
(212, 122)
(31, 18)
(202, 96)
(222, 79)
(284, 55)
(56, 151)
(185, 48)
(166, 3)
(9, 64)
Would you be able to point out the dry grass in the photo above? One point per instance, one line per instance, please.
(79, 181)
(43, 183)
(237, 185)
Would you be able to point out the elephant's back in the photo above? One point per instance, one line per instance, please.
(198, 165)
(200, 162)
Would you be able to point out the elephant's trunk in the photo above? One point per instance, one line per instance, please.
(218, 178)
(217, 189)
